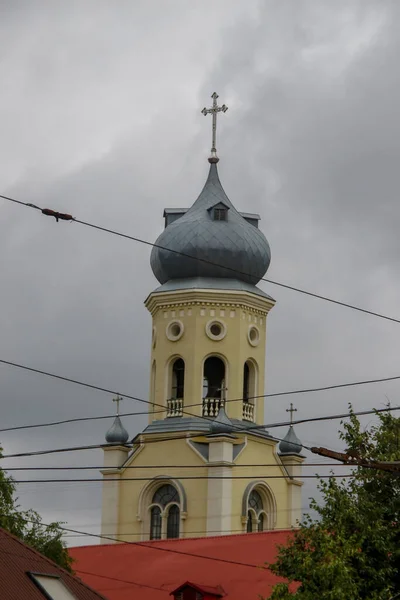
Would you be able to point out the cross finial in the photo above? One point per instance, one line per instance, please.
(118, 399)
(213, 111)
(291, 410)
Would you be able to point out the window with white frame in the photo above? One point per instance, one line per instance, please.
(165, 513)
(259, 508)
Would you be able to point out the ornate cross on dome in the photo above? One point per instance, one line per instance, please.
(291, 410)
(213, 111)
(118, 399)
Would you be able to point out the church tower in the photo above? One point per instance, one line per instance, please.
(204, 465)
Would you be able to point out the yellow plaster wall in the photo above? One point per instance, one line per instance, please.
(169, 457)
(260, 452)
(166, 455)
(194, 309)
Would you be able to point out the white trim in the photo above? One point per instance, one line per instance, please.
(168, 331)
(256, 341)
(220, 336)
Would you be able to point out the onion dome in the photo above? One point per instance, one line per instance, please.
(117, 434)
(211, 240)
(290, 443)
(222, 423)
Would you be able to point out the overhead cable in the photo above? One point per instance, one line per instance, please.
(68, 217)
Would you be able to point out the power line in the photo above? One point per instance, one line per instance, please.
(76, 420)
(130, 397)
(142, 585)
(152, 546)
(40, 559)
(67, 217)
(205, 466)
(184, 478)
(189, 436)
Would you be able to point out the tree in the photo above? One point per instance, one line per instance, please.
(352, 550)
(28, 526)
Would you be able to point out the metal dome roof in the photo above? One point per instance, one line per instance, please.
(222, 423)
(290, 443)
(236, 248)
(117, 434)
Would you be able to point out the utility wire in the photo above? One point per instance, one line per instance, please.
(40, 559)
(130, 397)
(189, 436)
(183, 478)
(136, 583)
(153, 546)
(205, 466)
(68, 217)
(266, 426)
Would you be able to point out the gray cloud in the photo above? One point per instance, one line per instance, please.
(100, 117)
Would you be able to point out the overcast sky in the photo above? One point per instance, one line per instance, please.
(100, 117)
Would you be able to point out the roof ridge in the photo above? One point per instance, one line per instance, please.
(178, 540)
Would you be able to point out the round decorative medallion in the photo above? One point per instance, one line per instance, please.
(216, 330)
(253, 335)
(175, 331)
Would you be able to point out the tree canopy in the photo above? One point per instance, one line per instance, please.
(351, 550)
(27, 525)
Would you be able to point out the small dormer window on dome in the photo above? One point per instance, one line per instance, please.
(219, 212)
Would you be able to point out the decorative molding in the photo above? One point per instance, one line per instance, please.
(178, 299)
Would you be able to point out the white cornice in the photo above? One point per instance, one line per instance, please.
(207, 297)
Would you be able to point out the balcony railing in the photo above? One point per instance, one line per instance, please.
(174, 407)
(211, 406)
(248, 412)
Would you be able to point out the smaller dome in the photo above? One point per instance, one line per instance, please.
(117, 434)
(290, 443)
(222, 423)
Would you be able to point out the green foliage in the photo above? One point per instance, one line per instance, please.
(352, 550)
(28, 526)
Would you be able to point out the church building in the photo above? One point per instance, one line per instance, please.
(205, 465)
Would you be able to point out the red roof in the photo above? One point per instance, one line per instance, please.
(154, 569)
(17, 560)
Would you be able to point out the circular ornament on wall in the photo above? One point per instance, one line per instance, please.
(175, 331)
(216, 330)
(253, 335)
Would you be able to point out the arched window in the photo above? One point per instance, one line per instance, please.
(249, 390)
(178, 379)
(214, 378)
(249, 381)
(255, 501)
(173, 522)
(249, 521)
(246, 382)
(261, 522)
(155, 523)
(259, 507)
(165, 513)
(153, 384)
(256, 507)
(166, 494)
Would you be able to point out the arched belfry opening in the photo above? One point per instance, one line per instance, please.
(249, 390)
(214, 385)
(176, 388)
(178, 379)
